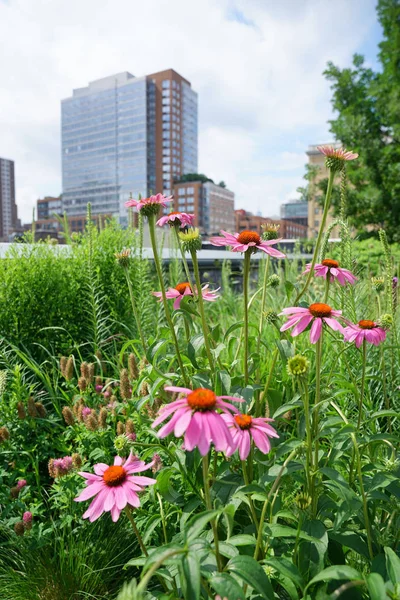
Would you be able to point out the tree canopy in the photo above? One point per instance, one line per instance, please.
(367, 105)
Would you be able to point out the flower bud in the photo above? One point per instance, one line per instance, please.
(91, 422)
(32, 411)
(103, 418)
(386, 321)
(378, 283)
(4, 434)
(21, 484)
(129, 426)
(157, 463)
(270, 231)
(122, 444)
(303, 501)
(63, 364)
(297, 366)
(14, 492)
(123, 257)
(144, 388)
(85, 370)
(273, 281)
(191, 240)
(82, 384)
(69, 368)
(27, 520)
(271, 316)
(91, 372)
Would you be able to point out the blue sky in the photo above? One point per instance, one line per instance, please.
(256, 64)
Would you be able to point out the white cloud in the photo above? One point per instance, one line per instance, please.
(256, 65)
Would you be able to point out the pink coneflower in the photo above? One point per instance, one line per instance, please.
(366, 330)
(339, 153)
(184, 289)
(153, 201)
(196, 416)
(244, 428)
(21, 484)
(247, 240)
(331, 268)
(176, 218)
(319, 313)
(114, 487)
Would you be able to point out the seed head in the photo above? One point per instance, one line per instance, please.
(144, 388)
(132, 366)
(91, 422)
(19, 528)
(76, 460)
(273, 281)
(84, 368)
(129, 426)
(191, 240)
(125, 387)
(21, 410)
(82, 384)
(4, 434)
(123, 257)
(91, 372)
(103, 418)
(68, 415)
(63, 364)
(69, 369)
(32, 410)
(378, 283)
(386, 321)
(270, 231)
(120, 428)
(297, 366)
(42, 412)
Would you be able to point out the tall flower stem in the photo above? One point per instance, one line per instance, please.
(185, 265)
(263, 300)
(207, 497)
(318, 362)
(327, 283)
(247, 482)
(361, 399)
(206, 331)
(135, 529)
(268, 382)
(162, 514)
(135, 311)
(327, 205)
(246, 273)
(164, 297)
(307, 417)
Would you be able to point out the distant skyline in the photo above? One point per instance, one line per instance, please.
(256, 64)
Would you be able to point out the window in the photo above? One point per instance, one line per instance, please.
(166, 83)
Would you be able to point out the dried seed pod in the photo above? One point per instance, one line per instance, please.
(103, 418)
(42, 412)
(99, 381)
(14, 492)
(129, 426)
(76, 460)
(32, 411)
(19, 528)
(132, 366)
(287, 415)
(51, 468)
(120, 428)
(82, 384)
(91, 422)
(144, 388)
(125, 388)
(85, 371)
(21, 410)
(91, 372)
(69, 368)
(68, 415)
(63, 364)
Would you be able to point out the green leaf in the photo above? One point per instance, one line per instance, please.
(242, 539)
(285, 408)
(165, 487)
(376, 586)
(352, 540)
(286, 568)
(312, 552)
(252, 573)
(226, 586)
(392, 565)
(197, 523)
(223, 383)
(228, 550)
(232, 328)
(191, 576)
(337, 572)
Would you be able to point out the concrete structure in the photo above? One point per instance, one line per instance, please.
(245, 220)
(125, 135)
(8, 208)
(295, 211)
(212, 205)
(315, 209)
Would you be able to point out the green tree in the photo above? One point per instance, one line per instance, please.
(367, 104)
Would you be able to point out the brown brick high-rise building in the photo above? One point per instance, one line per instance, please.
(8, 208)
(288, 230)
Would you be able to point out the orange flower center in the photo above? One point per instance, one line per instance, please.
(181, 287)
(365, 324)
(174, 212)
(248, 236)
(332, 264)
(114, 476)
(244, 421)
(202, 399)
(320, 310)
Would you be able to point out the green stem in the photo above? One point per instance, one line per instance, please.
(207, 497)
(247, 482)
(151, 219)
(361, 399)
(145, 580)
(327, 282)
(246, 273)
(307, 417)
(263, 300)
(185, 265)
(135, 529)
(204, 325)
(134, 309)
(162, 518)
(271, 372)
(318, 360)
(320, 234)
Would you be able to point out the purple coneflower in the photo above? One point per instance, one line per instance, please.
(247, 240)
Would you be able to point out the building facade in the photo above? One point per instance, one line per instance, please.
(212, 205)
(47, 207)
(8, 208)
(315, 209)
(295, 211)
(288, 230)
(124, 135)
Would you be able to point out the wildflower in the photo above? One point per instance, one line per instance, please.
(303, 501)
(86, 411)
(63, 364)
(124, 385)
(82, 384)
(120, 428)
(21, 484)
(273, 281)
(150, 206)
(132, 366)
(123, 257)
(244, 429)
(32, 411)
(98, 389)
(122, 444)
(247, 240)
(144, 388)
(129, 426)
(91, 372)
(270, 231)
(76, 460)
(103, 418)
(131, 436)
(68, 415)
(42, 412)
(27, 518)
(4, 434)
(336, 157)
(84, 368)
(191, 240)
(330, 268)
(297, 366)
(69, 368)
(195, 415)
(19, 528)
(58, 467)
(179, 219)
(395, 282)
(114, 487)
(366, 330)
(378, 283)
(184, 289)
(91, 422)
(318, 313)
(21, 410)
(271, 316)
(385, 321)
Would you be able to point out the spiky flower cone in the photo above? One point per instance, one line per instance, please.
(132, 366)
(125, 388)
